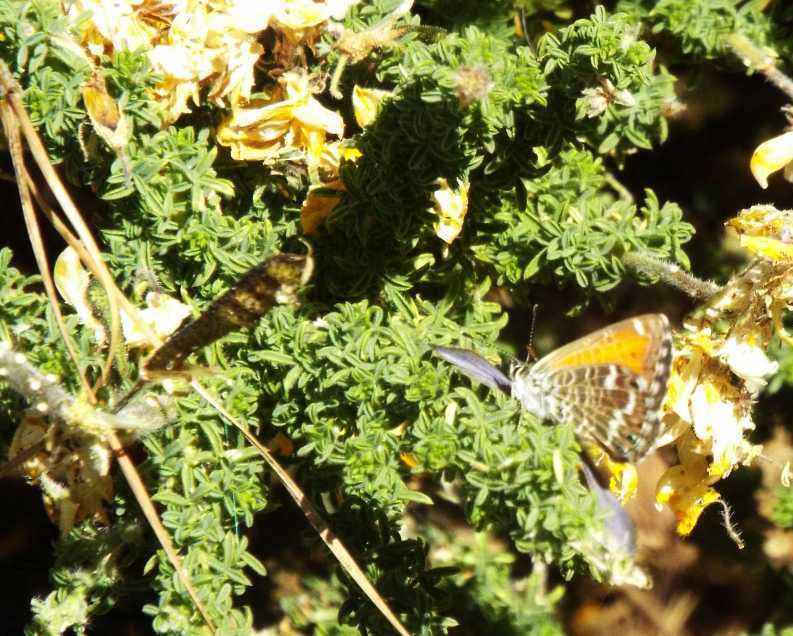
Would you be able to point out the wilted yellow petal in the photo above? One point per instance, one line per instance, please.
(624, 480)
(409, 459)
(451, 206)
(251, 16)
(687, 494)
(769, 248)
(237, 80)
(765, 231)
(770, 156)
(72, 282)
(749, 362)
(102, 109)
(686, 367)
(117, 23)
(319, 204)
(333, 154)
(365, 104)
(296, 122)
(177, 63)
(109, 121)
(297, 15)
(314, 115)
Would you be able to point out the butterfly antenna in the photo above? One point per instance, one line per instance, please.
(530, 352)
(525, 30)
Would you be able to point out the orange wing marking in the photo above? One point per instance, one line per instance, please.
(624, 347)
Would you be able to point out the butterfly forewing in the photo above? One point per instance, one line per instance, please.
(610, 384)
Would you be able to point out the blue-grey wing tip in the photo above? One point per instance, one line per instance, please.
(619, 526)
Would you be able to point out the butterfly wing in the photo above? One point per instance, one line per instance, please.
(620, 533)
(611, 383)
(475, 367)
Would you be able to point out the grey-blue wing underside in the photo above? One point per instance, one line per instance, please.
(476, 367)
(618, 525)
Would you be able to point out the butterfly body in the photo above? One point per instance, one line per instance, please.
(609, 384)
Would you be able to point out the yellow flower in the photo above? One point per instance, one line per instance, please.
(720, 365)
(322, 199)
(214, 45)
(708, 417)
(366, 102)
(770, 156)
(623, 478)
(451, 206)
(195, 45)
(291, 120)
(720, 419)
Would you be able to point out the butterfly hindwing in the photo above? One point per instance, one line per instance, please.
(611, 384)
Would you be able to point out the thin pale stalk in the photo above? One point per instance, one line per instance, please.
(324, 531)
(144, 501)
(762, 61)
(77, 245)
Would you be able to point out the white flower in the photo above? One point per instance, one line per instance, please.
(163, 314)
(720, 425)
(749, 362)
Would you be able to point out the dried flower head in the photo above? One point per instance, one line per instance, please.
(720, 365)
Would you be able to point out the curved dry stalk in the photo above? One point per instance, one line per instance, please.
(11, 129)
(14, 118)
(10, 93)
(77, 245)
(335, 545)
(150, 512)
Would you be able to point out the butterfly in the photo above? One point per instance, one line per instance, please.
(609, 384)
